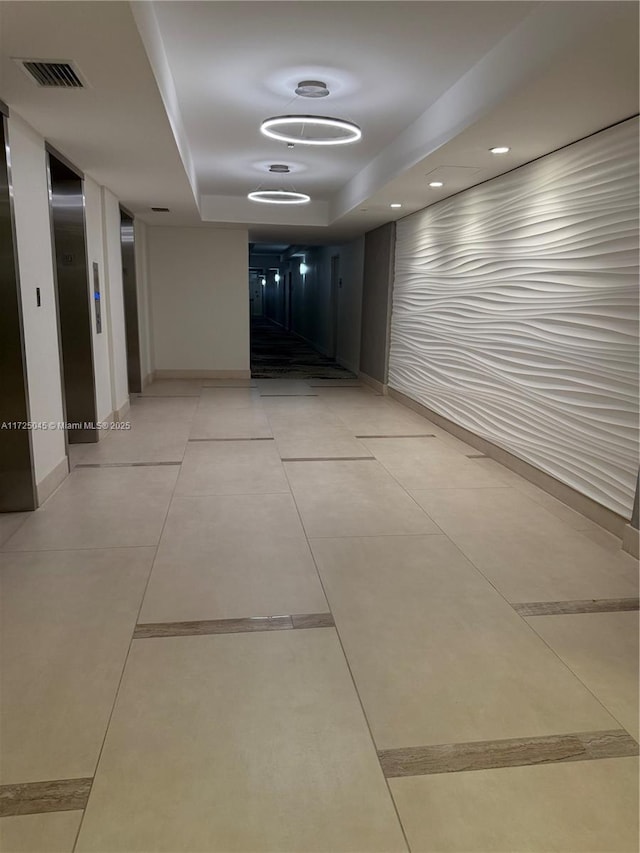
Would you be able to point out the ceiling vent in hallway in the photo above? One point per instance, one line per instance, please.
(279, 168)
(52, 75)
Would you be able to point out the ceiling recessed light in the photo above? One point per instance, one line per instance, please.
(311, 130)
(279, 197)
(500, 149)
(436, 184)
(160, 209)
(279, 168)
(395, 204)
(312, 89)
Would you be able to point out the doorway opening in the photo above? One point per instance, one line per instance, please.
(293, 293)
(75, 291)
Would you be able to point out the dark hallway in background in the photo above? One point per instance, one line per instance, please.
(130, 295)
(74, 296)
(276, 353)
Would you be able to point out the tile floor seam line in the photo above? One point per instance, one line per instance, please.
(348, 665)
(20, 523)
(531, 628)
(126, 659)
(407, 492)
(575, 675)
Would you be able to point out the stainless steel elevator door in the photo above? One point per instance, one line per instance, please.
(17, 487)
(74, 295)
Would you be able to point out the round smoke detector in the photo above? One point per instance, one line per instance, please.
(312, 89)
(279, 168)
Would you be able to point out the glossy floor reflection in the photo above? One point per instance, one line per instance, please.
(293, 497)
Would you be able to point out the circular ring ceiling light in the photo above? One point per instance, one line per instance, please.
(279, 197)
(311, 130)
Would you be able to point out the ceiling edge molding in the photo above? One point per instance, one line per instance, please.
(144, 15)
(231, 208)
(519, 56)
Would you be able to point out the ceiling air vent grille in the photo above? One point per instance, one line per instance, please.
(56, 75)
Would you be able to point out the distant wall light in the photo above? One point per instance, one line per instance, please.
(263, 282)
(303, 269)
(500, 149)
(276, 277)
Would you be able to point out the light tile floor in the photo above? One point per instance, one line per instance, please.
(267, 741)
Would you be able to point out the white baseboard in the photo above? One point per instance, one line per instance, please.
(122, 412)
(631, 541)
(50, 483)
(380, 387)
(202, 374)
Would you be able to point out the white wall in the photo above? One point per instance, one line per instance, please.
(35, 260)
(515, 313)
(95, 253)
(115, 300)
(200, 299)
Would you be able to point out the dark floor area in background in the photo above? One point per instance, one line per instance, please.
(276, 353)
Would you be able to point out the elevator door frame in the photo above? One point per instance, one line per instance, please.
(130, 304)
(84, 412)
(17, 475)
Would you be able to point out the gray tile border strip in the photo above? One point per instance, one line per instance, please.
(313, 620)
(288, 395)
(513, 752)
(123, 464)
(152, 630)
(477, 456)
(253, 438)
(417, 435)
(327, 458)
(59, 795)
(560, 608)
(165, 396)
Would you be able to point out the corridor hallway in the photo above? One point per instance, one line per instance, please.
(289, 616)
(277, 353)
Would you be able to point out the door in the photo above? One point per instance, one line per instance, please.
(336, 283)
(75, 293)
(17, 487)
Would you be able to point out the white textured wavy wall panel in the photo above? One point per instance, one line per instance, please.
(515, 313)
